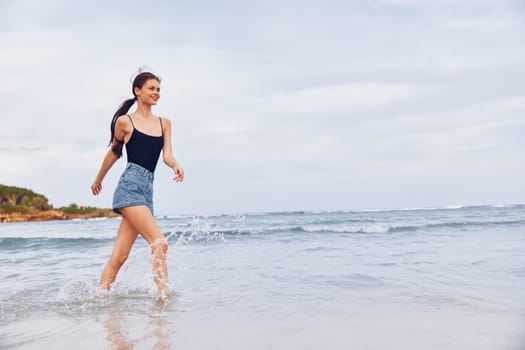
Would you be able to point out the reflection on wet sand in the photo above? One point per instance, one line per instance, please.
(116, 336)
(126, 330)
(160, 332)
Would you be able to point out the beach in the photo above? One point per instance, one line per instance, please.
(444, 278)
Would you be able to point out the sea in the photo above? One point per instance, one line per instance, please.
(416, 278)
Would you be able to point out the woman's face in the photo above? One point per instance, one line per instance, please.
(149, 93)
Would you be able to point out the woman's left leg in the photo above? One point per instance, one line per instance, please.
(142, 220)
(126, 236)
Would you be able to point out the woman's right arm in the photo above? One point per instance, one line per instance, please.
(107, 163)
(122, 129)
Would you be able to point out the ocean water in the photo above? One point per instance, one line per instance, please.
(451, 278)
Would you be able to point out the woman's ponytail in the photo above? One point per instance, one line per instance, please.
(123, 109)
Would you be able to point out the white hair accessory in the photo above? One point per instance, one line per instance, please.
(142, 69)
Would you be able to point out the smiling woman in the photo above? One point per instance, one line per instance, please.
(145, 136)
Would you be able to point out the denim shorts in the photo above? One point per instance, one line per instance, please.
(135, 187)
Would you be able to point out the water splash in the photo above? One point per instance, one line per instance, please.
(199, 230)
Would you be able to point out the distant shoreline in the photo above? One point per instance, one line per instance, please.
(18, 204)
(54, 215)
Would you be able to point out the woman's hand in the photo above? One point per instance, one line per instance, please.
(96, 188)
(179, 173)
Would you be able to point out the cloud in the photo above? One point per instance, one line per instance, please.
(276, 105)
(351, 99)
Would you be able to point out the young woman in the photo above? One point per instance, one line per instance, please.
(145, 136)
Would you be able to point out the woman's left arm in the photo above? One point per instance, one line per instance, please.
(167, 152)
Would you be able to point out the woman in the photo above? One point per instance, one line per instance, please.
(145, 136)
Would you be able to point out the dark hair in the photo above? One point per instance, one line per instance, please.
(138, 82)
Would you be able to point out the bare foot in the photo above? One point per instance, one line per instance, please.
(101, 293)
(164, 293)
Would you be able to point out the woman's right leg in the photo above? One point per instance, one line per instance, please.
(126, 236)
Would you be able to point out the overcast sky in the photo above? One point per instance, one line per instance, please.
(275, 105)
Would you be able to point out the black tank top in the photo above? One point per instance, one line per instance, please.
(143, 149)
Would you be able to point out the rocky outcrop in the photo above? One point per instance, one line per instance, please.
(19, 204)
(48, 215)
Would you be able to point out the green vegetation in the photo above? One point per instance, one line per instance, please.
(19, 204)
(76, 209)
(22, 200)
(10, 208)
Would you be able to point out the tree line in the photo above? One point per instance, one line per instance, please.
(23, 200)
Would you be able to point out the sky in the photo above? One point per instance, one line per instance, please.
(275, 105)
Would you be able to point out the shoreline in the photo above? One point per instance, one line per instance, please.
(55, 215)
